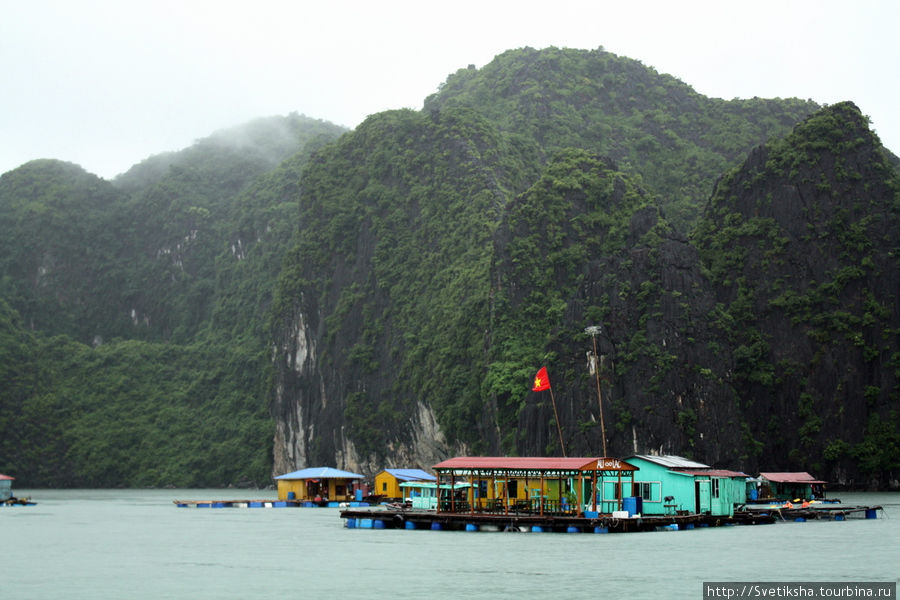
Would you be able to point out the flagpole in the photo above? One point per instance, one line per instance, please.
(593, 330)
(558, 427)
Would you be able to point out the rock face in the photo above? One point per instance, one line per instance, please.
(766, 340)
(393, 242)
(643, 285)
(799, 246)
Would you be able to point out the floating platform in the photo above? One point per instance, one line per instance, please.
(831, 511)
(266, 504)
(394, 518)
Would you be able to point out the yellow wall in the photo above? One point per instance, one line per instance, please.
(525, 489)
(387, 485)
(298, 486)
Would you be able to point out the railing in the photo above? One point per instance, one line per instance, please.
(498, 506)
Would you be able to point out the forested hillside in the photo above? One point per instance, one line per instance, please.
(801, 248)
(393, 349)
(134, 311)
(287, 294)
(649, 123)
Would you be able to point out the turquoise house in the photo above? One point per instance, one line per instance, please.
(423, 494)
(5, 487)
(673, 484)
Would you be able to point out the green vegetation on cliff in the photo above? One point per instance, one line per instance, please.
(134, 311)
(800, 244)
(649, 123)
(392, 263)
(385, 295)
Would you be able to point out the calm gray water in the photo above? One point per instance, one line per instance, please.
(98, 544)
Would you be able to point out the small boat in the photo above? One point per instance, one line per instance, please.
(18, 502)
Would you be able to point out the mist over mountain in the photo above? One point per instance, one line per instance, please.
(288, 293)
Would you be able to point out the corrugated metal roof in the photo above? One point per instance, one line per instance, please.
(320, 473)
(6, 477)
(670, 461)
(796, 477)
(529, 463)
(713, 472)
(411, 474)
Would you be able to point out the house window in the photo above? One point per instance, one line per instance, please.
(642, 489)
(648, 490)
(384, 486)
(714, 488)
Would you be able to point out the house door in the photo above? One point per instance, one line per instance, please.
(702, 496)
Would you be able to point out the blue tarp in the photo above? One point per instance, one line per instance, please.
(411, 475)
(320, 473)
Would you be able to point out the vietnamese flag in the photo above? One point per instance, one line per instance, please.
(541, 381)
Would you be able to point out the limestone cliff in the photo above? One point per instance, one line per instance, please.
(765, 341)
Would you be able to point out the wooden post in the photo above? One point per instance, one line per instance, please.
(452, 492)
(620, 489)
(541, 499)
(506, 495)
(580, 512)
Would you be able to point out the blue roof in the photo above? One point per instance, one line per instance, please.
(411, 475)
(320, 473)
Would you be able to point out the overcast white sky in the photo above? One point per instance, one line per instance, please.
(105, 84)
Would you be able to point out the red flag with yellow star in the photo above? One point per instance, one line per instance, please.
(541, 381)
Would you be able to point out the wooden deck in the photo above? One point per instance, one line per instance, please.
(400, 518)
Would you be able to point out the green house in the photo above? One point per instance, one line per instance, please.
(790, 486)
(673, 484)
(5, 487)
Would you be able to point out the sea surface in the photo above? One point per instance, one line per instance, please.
(136, 544)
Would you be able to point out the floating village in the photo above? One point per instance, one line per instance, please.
(643, 492)
(556, 494)
(547, 494)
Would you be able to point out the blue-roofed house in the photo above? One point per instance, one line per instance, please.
(387, 482)
(318, 484)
